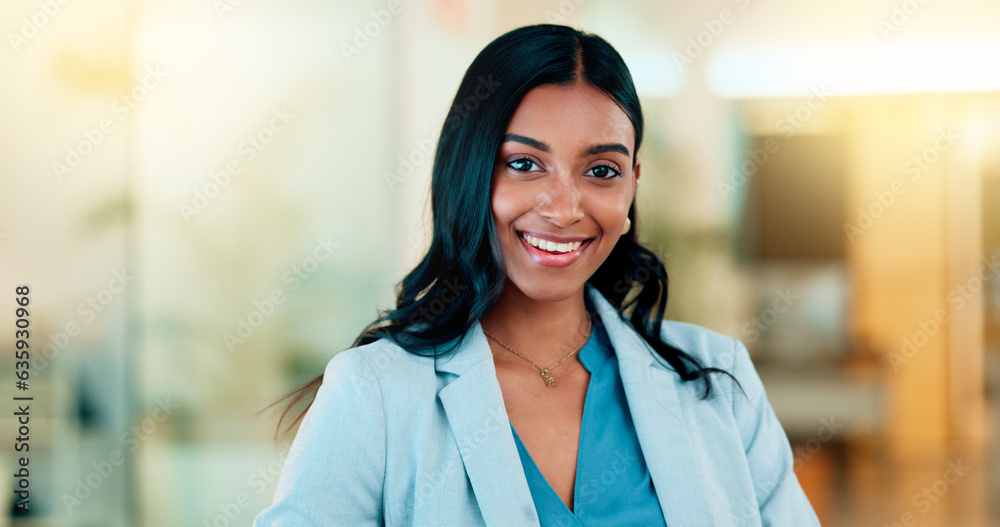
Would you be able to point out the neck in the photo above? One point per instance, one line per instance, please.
(545, 331)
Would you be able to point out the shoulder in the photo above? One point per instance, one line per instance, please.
(709, 347)
(375, 360)
(717, 350)
(377, 373)
(746, 398)
(358, 381)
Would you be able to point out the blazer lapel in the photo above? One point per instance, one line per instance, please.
(474, 405)
(651, 393)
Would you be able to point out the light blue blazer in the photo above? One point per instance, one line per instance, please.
(397, 439)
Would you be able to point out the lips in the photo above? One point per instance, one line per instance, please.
(551, 246)
(554, 258)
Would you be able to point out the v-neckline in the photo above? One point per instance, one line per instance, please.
(579, 448)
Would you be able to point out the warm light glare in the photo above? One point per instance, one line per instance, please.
(786, 71)
(655, 75)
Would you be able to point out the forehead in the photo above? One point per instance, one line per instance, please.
(578, 113)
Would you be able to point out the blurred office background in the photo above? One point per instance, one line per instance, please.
(210, 198)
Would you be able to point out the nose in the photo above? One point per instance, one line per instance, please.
(561, 201)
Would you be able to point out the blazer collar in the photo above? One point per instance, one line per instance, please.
(474, 406)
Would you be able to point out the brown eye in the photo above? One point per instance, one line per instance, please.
(605, 172)
(522, 164)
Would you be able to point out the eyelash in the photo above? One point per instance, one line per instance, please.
(614, 171)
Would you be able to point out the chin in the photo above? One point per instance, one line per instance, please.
(541, 289)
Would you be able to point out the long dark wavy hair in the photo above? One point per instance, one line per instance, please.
(461, 276)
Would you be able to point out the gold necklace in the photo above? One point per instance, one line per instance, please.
(550, 382)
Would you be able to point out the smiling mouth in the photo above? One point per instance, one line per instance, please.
(550, 246)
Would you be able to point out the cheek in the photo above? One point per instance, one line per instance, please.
(611, 211)
(507, 206)
(501, 215)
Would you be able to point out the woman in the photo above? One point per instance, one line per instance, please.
(526, 376)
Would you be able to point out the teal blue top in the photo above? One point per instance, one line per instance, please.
(613, 486)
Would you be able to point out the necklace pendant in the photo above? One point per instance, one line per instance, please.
(550, 381)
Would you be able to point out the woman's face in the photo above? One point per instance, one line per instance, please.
(563, 179)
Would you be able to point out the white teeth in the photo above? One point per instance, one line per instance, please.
(546, 245)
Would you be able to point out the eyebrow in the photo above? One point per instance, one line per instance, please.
(592, 150)
(527, 141)
(609, 147)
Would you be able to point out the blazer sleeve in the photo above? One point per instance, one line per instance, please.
(780, 498)
(335, 468)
